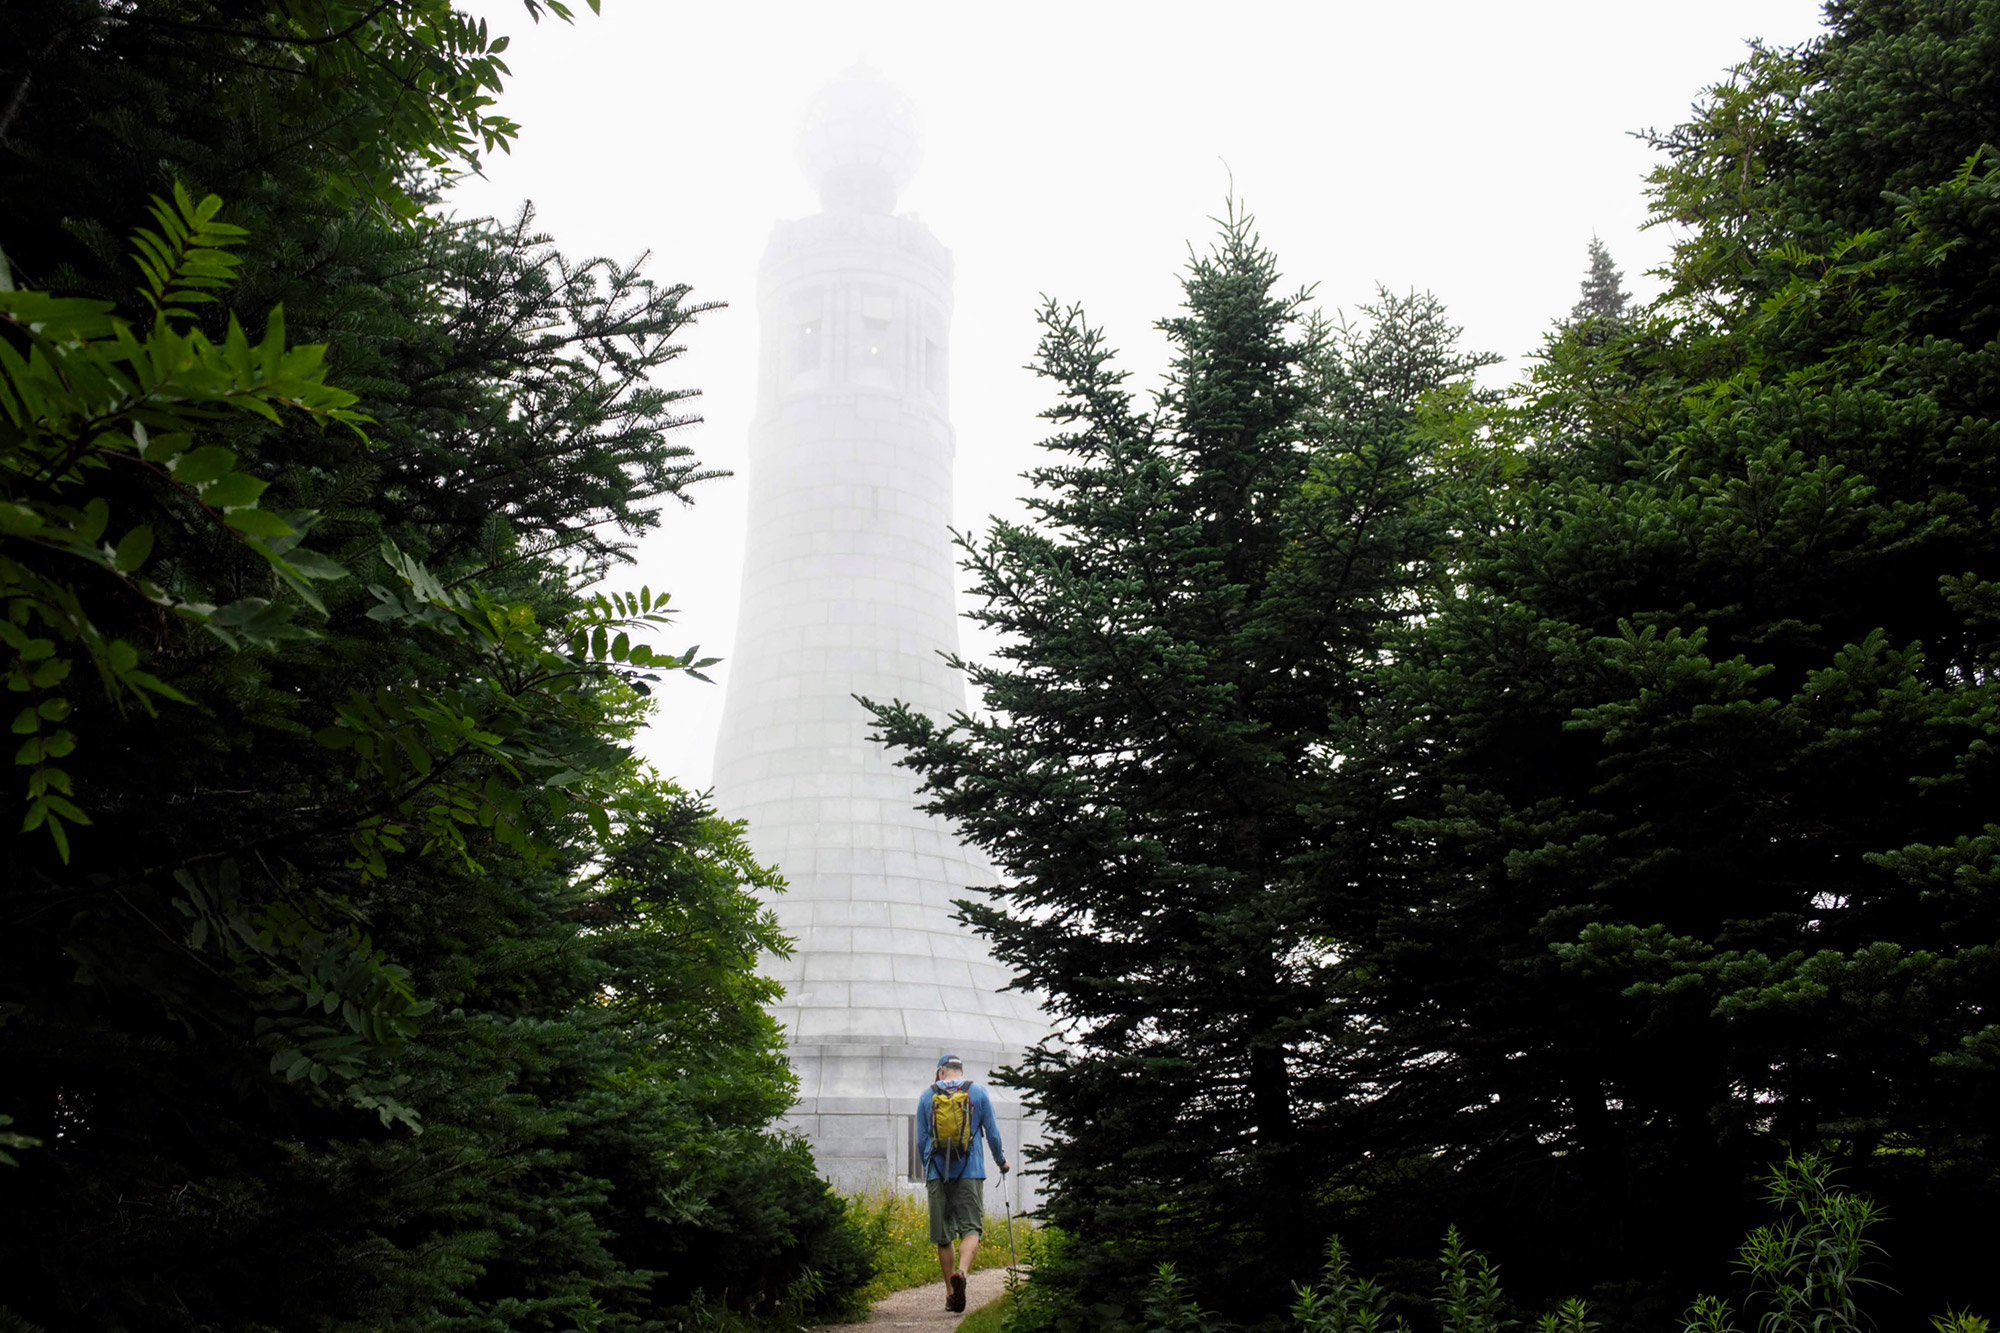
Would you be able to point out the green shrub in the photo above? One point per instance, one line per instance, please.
(773, 1238)
(1804, 1273)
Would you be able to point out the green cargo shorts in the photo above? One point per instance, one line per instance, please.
(958, 1208)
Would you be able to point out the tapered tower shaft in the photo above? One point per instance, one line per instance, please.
(848, 590)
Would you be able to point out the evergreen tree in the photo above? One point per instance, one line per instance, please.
(1207, 583)
(352, 972)
(1602, 299)
(1706, 821)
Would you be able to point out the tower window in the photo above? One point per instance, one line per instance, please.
(877, 320)
(805, 330)
(875, 314)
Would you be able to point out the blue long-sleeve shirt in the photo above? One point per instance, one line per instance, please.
(985, 1130)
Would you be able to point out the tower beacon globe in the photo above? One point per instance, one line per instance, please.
(858, 145)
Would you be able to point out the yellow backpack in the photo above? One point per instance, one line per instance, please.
(951, 1122)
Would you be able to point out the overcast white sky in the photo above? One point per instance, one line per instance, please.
(1469, 148)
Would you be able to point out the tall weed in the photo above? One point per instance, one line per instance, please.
(1169, 1309)
(1468, 1297)
(1343, 1303)
(1804, 1269)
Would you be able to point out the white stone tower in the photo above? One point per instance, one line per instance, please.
(848, 589)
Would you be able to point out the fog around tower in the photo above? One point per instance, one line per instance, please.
(1078, 150)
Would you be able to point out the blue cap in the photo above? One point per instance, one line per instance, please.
(944, 1060)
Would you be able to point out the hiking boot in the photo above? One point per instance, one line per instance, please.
(954, 1301)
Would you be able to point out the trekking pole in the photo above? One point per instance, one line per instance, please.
(1013, 1259)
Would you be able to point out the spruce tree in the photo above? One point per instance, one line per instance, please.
(1603, 296)
(1706, 809)
(1207, 582)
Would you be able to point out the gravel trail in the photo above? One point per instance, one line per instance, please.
(923, 1307)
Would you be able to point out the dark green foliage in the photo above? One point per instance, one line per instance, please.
(1805, 1273)
(85, 397)
(1209, 584)
(383, 989)
(351, 101)
(1630, 824)
(1706, 834)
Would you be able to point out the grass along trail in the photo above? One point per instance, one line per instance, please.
(923, 1307)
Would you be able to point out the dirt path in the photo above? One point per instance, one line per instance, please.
(923, 1307)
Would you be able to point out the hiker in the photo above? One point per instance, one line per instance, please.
(952, 1113)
